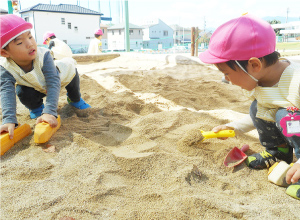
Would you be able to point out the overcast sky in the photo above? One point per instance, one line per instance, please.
(188, 13)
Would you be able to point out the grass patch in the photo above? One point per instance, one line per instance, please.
(288, 46)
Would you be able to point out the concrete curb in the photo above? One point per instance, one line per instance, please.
(95, 58)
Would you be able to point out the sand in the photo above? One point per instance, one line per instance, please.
(121, 160)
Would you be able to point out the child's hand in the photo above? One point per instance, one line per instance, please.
(293, 175)
(50, 119)
(9, 127)
(220, 128)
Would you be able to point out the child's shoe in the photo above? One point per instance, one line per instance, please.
(80, 104)
(294, 190)
(37, 112)
(267, 158)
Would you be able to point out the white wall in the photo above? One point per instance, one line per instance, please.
(117, 41)
(49, 21)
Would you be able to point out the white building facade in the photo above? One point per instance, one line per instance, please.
(116, 37)
(73, 24)
(290, 31)
(181, 35)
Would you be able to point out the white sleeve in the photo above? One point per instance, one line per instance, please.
(91, 49)
(243, 125)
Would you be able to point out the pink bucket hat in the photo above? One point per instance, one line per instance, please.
(47, 35)
(98, 32)
(240, 39)
(11, 27)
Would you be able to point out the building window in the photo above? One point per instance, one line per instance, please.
(63, 21)
(131, 32)
(69, 26)
(165, 33)
(76, 29)
(103, 31)
(120, 32)
(88, 37)
(139, 32)
(136, 43)
(113, 32)
(26, 19)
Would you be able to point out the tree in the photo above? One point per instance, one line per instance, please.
(277, 30)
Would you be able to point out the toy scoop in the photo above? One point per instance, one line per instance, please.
(19, 133)
(236, 156)
(43, 131)
(195, 136)
(211, 134)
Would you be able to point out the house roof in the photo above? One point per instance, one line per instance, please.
(62, 8)
(148, 25)
(122, 26)
(103, 25)
(2, 11)
(177, 27)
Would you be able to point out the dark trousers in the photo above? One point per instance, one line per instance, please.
(33, 99)
(270, 133)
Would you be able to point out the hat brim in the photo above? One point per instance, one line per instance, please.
(207, 57)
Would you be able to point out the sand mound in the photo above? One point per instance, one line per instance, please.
(120, 159)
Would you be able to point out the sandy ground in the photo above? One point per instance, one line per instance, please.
(121, 159)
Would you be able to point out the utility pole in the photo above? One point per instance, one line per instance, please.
(183, 34)
(192, 41)
(204, 25)
(127, 40)
(109, 11)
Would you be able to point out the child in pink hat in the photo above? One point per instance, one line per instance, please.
(35, 74)
(95, 46)
(59, 48)
(243, 49)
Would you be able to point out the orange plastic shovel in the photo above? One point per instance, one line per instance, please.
(19, 133)
(236, 156)
(43, 131)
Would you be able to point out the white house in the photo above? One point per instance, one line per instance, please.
(290, 30)
(157, 35)
(71, 23)
(181, 35)
(116, 37)
(104, 37)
